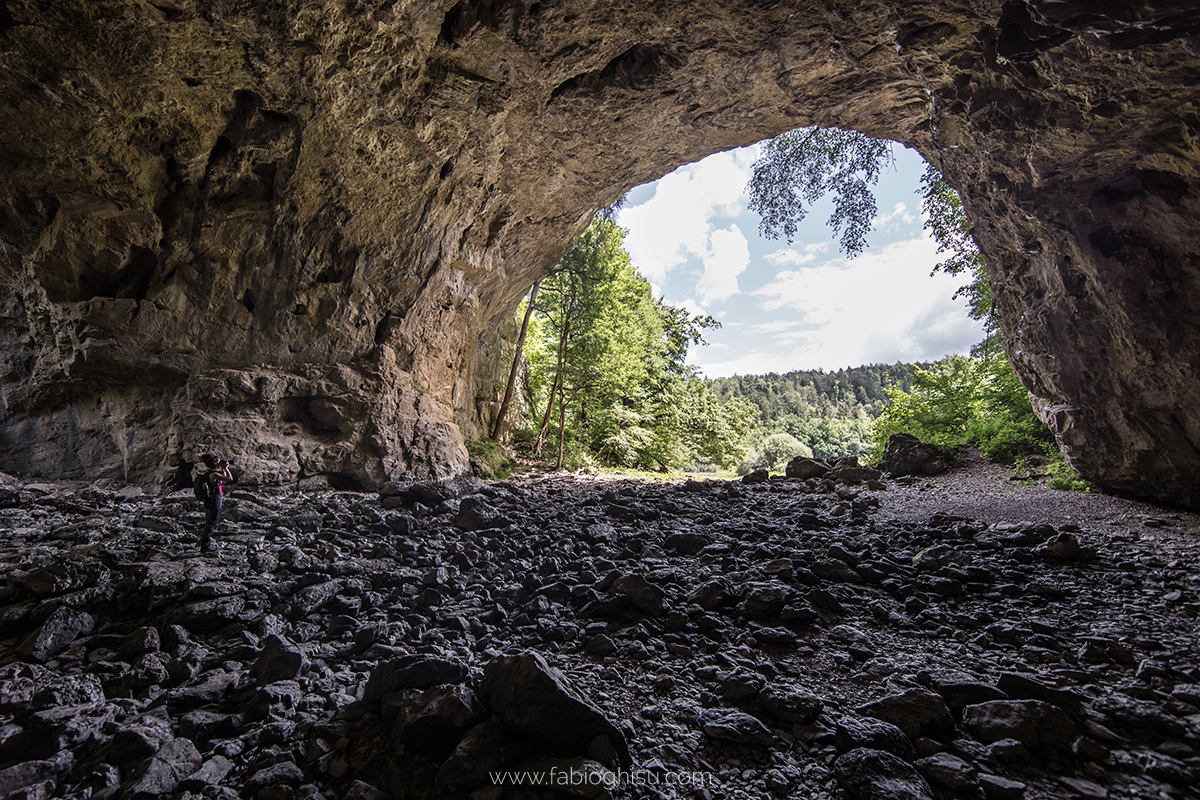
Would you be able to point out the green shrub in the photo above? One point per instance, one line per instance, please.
(490, 459)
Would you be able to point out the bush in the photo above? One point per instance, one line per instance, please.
(489, 459)
(962, 400)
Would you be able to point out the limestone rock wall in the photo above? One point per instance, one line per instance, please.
(289, 230)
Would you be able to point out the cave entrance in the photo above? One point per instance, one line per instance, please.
(802, 305)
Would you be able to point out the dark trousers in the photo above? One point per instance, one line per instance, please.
(212, 517)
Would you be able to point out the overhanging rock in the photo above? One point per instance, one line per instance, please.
(288, 230)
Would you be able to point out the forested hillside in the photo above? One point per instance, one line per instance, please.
(813, 412)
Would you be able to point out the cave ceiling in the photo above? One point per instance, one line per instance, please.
(292, 230)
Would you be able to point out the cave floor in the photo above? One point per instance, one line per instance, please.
(1001, 640)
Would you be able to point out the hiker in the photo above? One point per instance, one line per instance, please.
(209, 487)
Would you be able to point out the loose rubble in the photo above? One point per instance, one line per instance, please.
(772, 638)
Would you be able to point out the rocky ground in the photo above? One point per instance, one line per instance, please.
(960, 636)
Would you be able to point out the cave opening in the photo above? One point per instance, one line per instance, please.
(802, 304)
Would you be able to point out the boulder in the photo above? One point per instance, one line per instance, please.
(905, 454)
(539, 702)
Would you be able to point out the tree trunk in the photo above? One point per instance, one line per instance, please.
(562, 426)
(512, 373)
(558, 382)
(554, 389)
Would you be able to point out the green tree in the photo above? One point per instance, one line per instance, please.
(607, 359)
(799, 167)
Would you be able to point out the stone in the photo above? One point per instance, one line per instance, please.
(482, 751)
(645, 595)
(803, 468)
(951, 772)
(438, 717)
(68, 690)
(538, 701)
(141, 641)
(960, 689)
(867, 774)
(284, 773)
(863, 732)
(1033, 723)
(1026, 687)
(905, 454)
(412, 672)
(790, 706)
(735, 727)
(176, 760)
(996, 787)
(916, 712)
(29, 774)
(61, 628)
(279, 660)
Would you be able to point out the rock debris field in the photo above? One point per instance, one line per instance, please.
(819, 638)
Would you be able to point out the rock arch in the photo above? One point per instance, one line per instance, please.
(291, 228)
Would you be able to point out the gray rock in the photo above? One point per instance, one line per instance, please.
(645, 595)
(537, 701)
(412, 672)
(855, 733)
(481, 751)
(1031, 722)
(59, 630)
(161, 774)
(790, 706)
(951, 772)
(917, 712)
(68, 690)
(803, 468)
(867, 774)
(280, 660)
(284, 773)
(736, 727)
(907, 455)
(438, 717)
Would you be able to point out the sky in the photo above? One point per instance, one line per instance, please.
(802, 305)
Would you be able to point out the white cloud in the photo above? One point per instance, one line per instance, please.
(678, 222)
(880, 307)
(899, 213)
(727, 258)
(794, 256)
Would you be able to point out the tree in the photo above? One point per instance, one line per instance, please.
(610, 360)
(799, 167)
(947, 222)
(516, 364)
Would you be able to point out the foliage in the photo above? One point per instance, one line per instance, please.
(606, 363)
(490, 459)
(1005, 425)
(830, 413)
(939, 407)
(799, 167)
(1062, 476)
(962, 400)
(947, 222)
(775, 451)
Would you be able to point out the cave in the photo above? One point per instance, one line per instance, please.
(211, 212)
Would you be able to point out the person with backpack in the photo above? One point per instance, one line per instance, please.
(209, 487)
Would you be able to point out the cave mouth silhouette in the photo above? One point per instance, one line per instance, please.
(341, 204)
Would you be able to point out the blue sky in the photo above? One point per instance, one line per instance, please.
(800, 306)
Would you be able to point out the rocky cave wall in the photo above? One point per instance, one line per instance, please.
(290, 230)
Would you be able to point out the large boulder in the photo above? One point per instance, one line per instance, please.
(905, 454)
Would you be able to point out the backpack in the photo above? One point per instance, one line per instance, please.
(200, 487)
